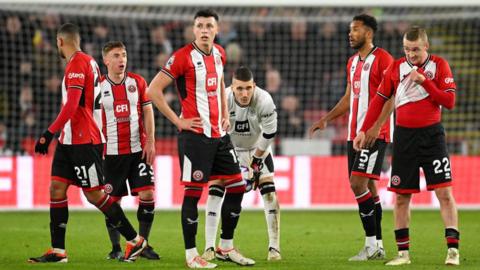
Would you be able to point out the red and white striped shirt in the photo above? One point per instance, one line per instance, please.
(198, 78)
(84, 126)
(415, 107)
(365, 76)
(123, 114)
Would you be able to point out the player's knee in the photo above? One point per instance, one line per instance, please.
(444, 195)
(93, 196)
(358, 184)
(58, 190)
(266, 187)
(146, 195)
(403, 200)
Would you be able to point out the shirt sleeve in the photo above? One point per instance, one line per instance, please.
(385, 90)
(268, 115)
(142, 86)
(444, 78)
(176, 65)
(75, 74)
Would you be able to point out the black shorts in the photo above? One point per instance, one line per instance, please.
(80, 165)
(367, 162)
(203, 159)
(419, 147)
(131, 167)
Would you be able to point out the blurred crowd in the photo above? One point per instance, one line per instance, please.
(301, 63)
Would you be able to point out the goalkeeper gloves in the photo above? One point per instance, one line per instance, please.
(256, 164)
(41, 147)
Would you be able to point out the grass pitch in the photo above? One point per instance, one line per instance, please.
(309, 240)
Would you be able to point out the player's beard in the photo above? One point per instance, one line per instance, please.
(359, 44)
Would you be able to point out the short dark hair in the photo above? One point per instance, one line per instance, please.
(206, 13)
(112, 45)
(69, 29)
(416, 32)
(243, 74)
(367, 20)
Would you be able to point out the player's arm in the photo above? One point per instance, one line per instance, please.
(268, 121)
(149, 122)
(155, 93)
(444, 93)
(375, 108)
(223, 100)
(342, 107)
(67, 111)
(75, 86)
(372, 133)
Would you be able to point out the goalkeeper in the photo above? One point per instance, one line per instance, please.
(254, 124)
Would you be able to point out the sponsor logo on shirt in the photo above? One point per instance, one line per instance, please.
(449, 80)
(73, 75)
(242, 126)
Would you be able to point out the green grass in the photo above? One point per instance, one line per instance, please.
(310, 240)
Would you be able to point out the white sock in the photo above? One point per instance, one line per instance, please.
(272, 215)
(380, 243)
(135, 240)
(371, 241)
(226, 244)
(59, 251)
(212, 218)
(191, 253)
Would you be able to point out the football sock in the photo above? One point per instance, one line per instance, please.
(190, 215)
(58, 222)
(403, 239)
(366, 209)
(272, 213)
(453, 237)
(191, 253)
(114, 236)
(378, 218)
(145, 216)
(116, 216)
(212, 214)
(231, 207)
(226, 244)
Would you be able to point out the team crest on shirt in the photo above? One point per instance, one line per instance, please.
(218, 60)
(366, 67)
(108, 188)
(429, 74)
(170, 62)
(132, 88)
(197, 175)
(396, 180)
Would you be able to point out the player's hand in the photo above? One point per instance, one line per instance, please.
(191, 124)
(41, 146)
(319, 125)
(149, 152)
(417, 76)
(371, 136)
(256, 164)
(359, 141)
(225, 124)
